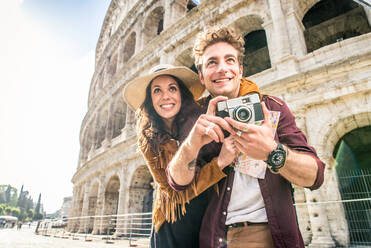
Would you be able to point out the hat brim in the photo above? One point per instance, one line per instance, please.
(135, 90)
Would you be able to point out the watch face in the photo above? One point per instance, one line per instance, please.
(278, 158)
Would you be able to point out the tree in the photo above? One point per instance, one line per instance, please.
(37, 214)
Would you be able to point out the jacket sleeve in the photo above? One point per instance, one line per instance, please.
(205, 177)
(209, 175)
(290, 135)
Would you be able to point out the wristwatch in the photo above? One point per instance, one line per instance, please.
(276, 159)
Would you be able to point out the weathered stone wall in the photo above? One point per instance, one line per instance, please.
(328, 90)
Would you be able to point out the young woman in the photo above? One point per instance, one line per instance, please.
(164, 104)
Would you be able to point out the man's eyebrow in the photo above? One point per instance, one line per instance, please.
(229, 55)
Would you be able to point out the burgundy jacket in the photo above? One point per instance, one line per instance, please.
(276, 191)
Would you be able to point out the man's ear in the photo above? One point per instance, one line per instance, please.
(241, 70)
(201, 77)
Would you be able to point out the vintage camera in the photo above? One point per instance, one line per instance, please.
(244, 109)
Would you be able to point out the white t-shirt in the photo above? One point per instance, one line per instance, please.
(246, 203)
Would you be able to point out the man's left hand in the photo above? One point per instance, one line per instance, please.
(256, 141)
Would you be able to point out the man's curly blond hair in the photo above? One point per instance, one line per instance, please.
(214, 35)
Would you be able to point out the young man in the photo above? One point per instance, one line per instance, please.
(253, 206)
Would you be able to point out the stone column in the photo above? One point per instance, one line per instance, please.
(296, 34)
(335, 211)
(100, 207)
(368, 14)
(120, 222)
(302, 213)
(174, 10)
(129, 129)
(318, 219)
(85, 210)
(281, 56)
(71, 222)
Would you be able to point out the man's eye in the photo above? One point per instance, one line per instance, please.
(210, 63)
(231, 60)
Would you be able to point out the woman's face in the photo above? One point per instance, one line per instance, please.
(166, 98)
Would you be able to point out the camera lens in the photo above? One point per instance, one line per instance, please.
(242, 114)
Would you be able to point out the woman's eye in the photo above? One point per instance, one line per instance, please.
(157, 90)
(173, 88)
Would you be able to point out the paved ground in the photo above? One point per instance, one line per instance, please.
(26, 238)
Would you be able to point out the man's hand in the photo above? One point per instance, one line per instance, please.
(209, 127)
(228, 153)
(256, 141)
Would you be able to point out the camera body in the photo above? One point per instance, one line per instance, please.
(245, 109)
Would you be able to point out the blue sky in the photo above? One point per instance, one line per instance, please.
(47, 61)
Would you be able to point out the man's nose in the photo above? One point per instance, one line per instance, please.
(222, 67)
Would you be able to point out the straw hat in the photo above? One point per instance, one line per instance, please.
(135, 90)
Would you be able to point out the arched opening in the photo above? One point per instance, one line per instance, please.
(111, 200)
(256, 53)
(129, 48)
(141, 194)
(191, 4)
(154, 24)
(330, 21)
(353, 157)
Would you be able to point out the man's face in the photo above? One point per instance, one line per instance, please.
(221, 71)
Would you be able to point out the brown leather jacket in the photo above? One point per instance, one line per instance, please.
(169, 205)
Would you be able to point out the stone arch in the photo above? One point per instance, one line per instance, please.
(256, 57)
(140, 191)
(353, 168)
(154, 24)
(129, 48)
(331, 21)
(343, 125)
(111, 200)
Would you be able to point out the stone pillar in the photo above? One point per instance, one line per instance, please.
(368, 14)
(129, 129)
(296, 34)
(71, 222)
(120, 222)
(318, 219)
(174, 10)
(100, 207)
(85, 210)
(281, 56)
(139, 42)
(302, 213)
(335, 211)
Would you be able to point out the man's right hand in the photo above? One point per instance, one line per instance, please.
(209, 127)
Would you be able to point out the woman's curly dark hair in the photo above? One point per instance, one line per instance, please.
(150, 125)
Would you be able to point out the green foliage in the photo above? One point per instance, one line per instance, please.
(19, 206)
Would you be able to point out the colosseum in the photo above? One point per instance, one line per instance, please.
(316, 55)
